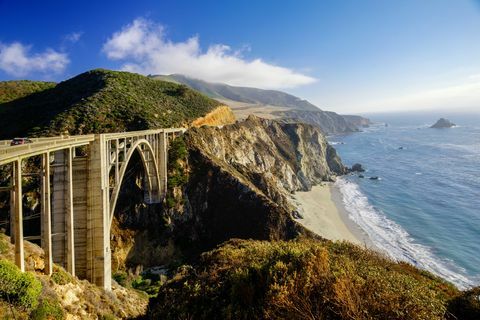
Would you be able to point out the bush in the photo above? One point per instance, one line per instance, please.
(21, 288)
(120, 277)
(60, 276)
(301, 280)
(47, 309)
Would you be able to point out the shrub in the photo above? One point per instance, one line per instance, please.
(120, 277)
(302, 279)
(60, 276)
(21, 288)
(47, 309)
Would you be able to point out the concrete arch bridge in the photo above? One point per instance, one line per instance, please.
(81, 178)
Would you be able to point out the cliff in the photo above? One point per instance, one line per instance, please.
(233, 182)
(357, 121)
(328, 122)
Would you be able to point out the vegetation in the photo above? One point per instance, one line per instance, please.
(20, 288)
(11, 90)
(103, 101)
(177, 172)
(467, 305)
(47, 309)
(60, 276)
(304, 279)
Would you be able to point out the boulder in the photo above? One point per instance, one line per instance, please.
(357, 167)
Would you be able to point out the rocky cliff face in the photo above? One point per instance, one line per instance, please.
(240, 177)
(357, 121)
(328, 122)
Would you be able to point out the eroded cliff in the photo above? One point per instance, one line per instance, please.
(237, 183)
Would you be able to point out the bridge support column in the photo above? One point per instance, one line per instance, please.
(98, 221)
(17, 208)
(46, 218)
(62, 210)
(80, 194)
(162, 157)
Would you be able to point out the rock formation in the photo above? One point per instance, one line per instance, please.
(443, 123)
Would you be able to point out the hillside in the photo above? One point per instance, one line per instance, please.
(103, 101)
(270, 104)
(307, 279)
(241, 94)
(11, 90)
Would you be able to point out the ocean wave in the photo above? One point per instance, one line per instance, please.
(393, 240)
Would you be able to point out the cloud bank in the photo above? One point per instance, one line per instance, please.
(143, 47)
(16, 60)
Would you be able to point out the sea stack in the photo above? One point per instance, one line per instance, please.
(443, 123)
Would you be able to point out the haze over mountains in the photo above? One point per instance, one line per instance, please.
(271, 104)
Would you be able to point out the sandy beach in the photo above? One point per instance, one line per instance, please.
(323, 213)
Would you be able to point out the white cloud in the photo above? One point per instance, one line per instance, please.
(73, 37)
(144, 48)
(16, 60)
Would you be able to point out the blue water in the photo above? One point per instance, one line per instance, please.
(425, 208)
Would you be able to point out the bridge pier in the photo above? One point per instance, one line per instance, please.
(98, 220)
(17, 205)
(46, 216)
(63, 247)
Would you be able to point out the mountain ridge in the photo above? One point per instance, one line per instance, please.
(271, 104)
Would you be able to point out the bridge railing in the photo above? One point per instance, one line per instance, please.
(12, 153)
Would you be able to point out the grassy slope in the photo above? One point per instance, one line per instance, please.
(11, 90)
(307, 279)
(103, 101)
(242, 94)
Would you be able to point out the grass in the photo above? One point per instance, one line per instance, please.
(304, 279)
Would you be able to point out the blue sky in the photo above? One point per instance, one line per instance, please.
(345, 56)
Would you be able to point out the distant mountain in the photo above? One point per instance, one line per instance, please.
(102, 101)
(241, 94)
(270, 104)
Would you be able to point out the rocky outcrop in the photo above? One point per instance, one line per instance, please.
(357, 167)
(218, 117)
(357, 121)
(328, 122)
(443, 123)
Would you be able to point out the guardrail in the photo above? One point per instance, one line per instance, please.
(38, 146)
(42, 145)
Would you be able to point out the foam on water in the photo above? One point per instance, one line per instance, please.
(392, 239)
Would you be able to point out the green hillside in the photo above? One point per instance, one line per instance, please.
(102, 101)
(11, 90)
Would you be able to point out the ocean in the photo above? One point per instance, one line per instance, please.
(425, 206)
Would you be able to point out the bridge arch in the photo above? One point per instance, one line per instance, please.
(150, 165)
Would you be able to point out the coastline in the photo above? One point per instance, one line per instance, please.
(323, 213)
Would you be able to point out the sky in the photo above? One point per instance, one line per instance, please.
(345, 56)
